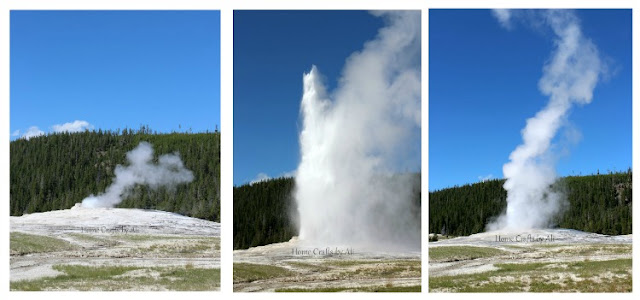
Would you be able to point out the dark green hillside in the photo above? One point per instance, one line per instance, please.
(263, 212)
(596, 203)
(58, 170)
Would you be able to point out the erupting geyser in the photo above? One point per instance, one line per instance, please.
(168, 172)
(569, 77)
(355, 142)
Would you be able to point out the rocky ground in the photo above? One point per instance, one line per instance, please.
(551, 260)
(113, 249)
(296, 266)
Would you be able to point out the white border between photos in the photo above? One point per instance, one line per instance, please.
(226, 74)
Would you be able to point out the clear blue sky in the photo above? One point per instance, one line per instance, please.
(483, 86)
(272, 49)
(115, 69)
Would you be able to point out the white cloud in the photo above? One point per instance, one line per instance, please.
(259, 178)
(33, 131)
(264, 176)
(75, 126)
(289, 174)
(485, 178)
(503, 16)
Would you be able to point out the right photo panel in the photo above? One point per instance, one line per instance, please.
(530, 150)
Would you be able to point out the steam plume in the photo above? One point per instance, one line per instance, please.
(569, 77)
(169, 171)
(355, 139)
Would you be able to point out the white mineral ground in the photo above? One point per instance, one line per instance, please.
(522, 250)
(163, 230)
(319, 271)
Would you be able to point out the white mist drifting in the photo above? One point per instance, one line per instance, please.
(168, 172)
(569, 77)
(353, 140)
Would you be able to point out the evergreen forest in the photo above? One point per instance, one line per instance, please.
(600, 203)
(263, 213)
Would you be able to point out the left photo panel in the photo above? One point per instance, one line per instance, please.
(115, 150)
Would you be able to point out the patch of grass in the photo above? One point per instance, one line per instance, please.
(309, 267)
(98, 241)
(521, 267)
(92, 273)
(494, 287)
(349, 263)
(23, 243)
(190, 279)
(246, 272)
(415, 288)
(376, 269)
(593, 249)
(388, 271)
(593, 276)
(590, 268)
(186, 248)
(113, 278)
(457, 253)
(74, 276)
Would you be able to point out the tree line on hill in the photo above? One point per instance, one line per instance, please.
(55, 171)
(600, 203)
(263, 213)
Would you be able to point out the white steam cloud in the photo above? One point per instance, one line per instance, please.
(75, 126)
(168, 172)
(353, 140)
(569, 77)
